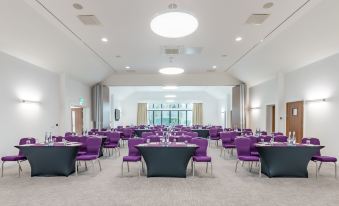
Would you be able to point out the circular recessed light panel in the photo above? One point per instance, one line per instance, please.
(171, 70)
(104, 39)
(239, 38)
(174, 24)
(170, 96)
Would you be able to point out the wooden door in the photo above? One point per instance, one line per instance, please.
(295, 119)
(77, 120)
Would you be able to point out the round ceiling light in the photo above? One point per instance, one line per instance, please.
(170, 87)
(171, 70)
(174, 24)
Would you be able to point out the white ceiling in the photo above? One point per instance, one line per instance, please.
(218, 92)
(48, 33)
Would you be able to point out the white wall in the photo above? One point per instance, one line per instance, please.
(212, 107)
(315, 81)
(55, 94)
(21, 80)
(71, 90)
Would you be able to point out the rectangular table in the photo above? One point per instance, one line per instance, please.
(167, 160)
(205, 133)
(138, 132)
(283, 160)
(55, 160)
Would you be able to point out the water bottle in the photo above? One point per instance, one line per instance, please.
(293, 138)
(46, 138)
(272, 139)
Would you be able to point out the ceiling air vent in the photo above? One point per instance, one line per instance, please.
(257, 19)
(89, 20)
(171, 50)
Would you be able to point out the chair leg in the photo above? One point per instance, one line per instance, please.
(93, 165)
(320, 167)
(127, 167)
(19, 168)
(259, 168)
(236, 166)
(2, 169)
(221, 150)
(122, 169)
(335, 170)
(316, 169)
(99, 163)
(193, 167)
(86, 165)
(206, 167)
(140, 166)
(76, 168)
(119, 150)
(211, 169)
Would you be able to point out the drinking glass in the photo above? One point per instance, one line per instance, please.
(186, 141)
(308, 141)
(262, 140)
(28, 141)
(148, 141)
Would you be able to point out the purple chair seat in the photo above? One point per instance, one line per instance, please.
(248, 158)
(86, 157)
(131, 158)
(214, 138)
(81, 153)
(13, 158)
(202, 158)
(255, 154)
(112, 145)
(324, 158)
(228, 146)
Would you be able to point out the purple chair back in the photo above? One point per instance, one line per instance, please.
(72, 138)
(153, 138)
(213, 132)
(193, 134)
(184, 138)
(202, 146)
(243, 146)
(280, 138)
(128, 132)
(254, 140)
(265, 138)
(25, 140)
(83, 140)
(132, 150)
(146, 134)
(277, 133)
(57, 138)
(113, 137)
(228, 137)
(314, 141)
(93, 145)
(67, 134)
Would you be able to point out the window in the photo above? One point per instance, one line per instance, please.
(169, 114)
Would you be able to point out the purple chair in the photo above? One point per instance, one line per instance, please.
(254, 150)
(57, 138)
(264, 138)
(200, 154)
(83, 148)
(277, 133)
(227, 139)
(243, 146)
(193, 134)
(133, 154)
(93, 146)
(153, 138)
(126, 135)
(184, 138)
(67, 134)
(72, 138)
(213, 133)
(319, 158)
(17, 158)
(146, 134)
(113, 143)
(280, 138)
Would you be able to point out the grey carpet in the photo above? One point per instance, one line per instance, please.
(224, 188)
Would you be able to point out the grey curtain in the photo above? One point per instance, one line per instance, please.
(197, 118)
(100, 106)
(142, 114)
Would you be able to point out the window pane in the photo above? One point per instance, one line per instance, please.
(189, 106)
(150, 117)
(182, 106)
(189, 118)
(165, 117)
(174, 117)
(157, 117)
(182, 117)
(157, 106)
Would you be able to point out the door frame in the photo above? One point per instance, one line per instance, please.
(83, 115)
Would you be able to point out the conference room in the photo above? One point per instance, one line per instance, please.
(178, 102)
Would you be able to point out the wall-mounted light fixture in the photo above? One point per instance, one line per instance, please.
(29, 101)
(254, 108)
(315, 100)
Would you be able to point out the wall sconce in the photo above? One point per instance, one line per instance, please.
(315, 100)
(29, 101)
(254, 108)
